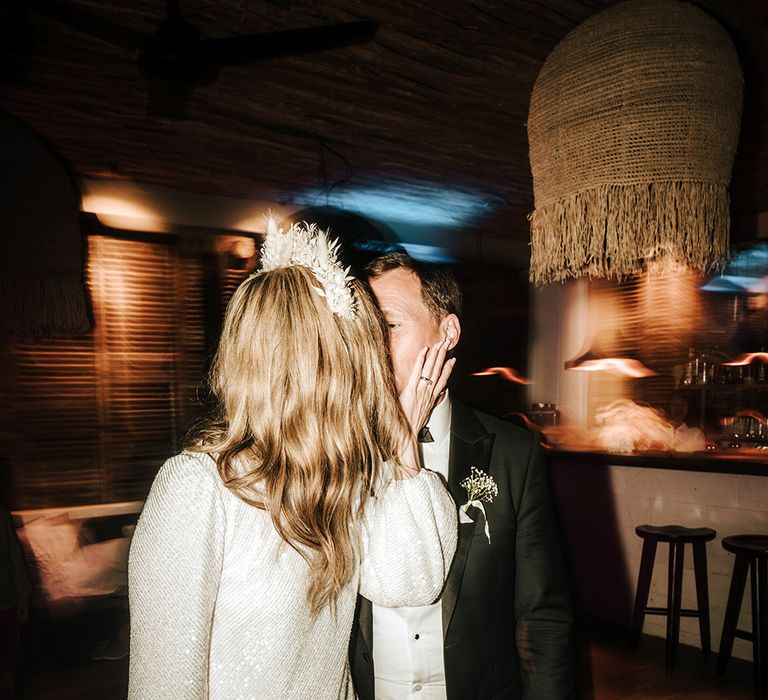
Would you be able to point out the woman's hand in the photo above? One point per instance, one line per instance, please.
(426, 384)
(424, 388)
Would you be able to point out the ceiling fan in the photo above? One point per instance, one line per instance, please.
(176, 60)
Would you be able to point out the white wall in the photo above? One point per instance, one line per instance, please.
(730, 504)
(559, 318)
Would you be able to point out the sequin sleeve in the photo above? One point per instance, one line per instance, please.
(408, 541)
(174, 569)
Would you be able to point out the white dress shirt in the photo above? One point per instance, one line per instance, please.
(408, 642)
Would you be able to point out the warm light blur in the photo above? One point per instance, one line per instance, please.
(243, 248)
(669, 307)
(624, 426)
(508, 373)
(618, 366)
(145, 207)
(238, 246)
(124, 213)
(748, 358)
(107, 283)
(751, 413)
(69, 569)
(605, 319)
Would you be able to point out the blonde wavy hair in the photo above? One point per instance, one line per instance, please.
(307, 414)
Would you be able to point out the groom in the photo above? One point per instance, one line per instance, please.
(502, 627)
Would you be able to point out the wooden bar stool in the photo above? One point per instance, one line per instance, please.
(677, 537)
(751, 555)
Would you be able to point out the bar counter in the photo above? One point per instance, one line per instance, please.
(602, 497)
(736, 461)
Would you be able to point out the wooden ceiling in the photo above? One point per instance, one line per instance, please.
(439, 98)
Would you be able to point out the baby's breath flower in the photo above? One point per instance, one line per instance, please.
(480, 486)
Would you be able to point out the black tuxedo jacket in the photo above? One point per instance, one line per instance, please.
(506, 605)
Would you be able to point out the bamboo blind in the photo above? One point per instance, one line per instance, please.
(90, 419)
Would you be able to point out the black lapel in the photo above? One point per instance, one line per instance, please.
(365, 621)
(471, 446)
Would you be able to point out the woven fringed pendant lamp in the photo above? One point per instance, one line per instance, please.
(632, 129)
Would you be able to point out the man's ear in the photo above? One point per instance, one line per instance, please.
(451, 328)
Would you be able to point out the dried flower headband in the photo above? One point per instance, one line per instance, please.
(306, 245)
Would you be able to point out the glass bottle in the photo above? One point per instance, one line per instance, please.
(703, 373)
(696, 366)
(688, 374)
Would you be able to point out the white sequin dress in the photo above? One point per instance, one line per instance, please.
(218, 600)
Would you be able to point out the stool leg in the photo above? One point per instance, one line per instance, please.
(670, 603)
(732, 610)
(673, 605)
(643, 588)
(759, 622)
(702, 594)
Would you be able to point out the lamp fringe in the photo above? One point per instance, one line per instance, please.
(612, 230)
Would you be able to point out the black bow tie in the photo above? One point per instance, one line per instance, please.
(425, 435)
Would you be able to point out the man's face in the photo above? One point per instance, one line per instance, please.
(411, 325)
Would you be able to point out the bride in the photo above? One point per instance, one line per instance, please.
(307, 489)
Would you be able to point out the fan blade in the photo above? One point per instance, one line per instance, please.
(86, 23)
(174, 53)
(260, 47)
(167, 98)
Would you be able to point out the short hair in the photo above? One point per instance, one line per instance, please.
(439, 288)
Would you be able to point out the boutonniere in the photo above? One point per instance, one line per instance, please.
(480, 488)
